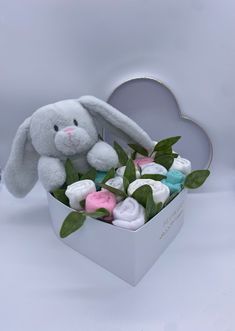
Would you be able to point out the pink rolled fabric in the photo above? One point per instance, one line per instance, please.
(101, 199)
(144, 160)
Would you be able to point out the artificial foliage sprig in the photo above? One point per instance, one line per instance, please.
(72, 223)
(59, 194)
(150, 208)
(90, 174)
(162, 151)
(144, 196)
(126, 183)
(141, 194)
(139, 149)
(71, 174)
(166, 144)
(164, 154)
(122, 155)
(130, 171)
(166, 160)
(113, 190)
(76, 219)
(196, 178)
(110, 174)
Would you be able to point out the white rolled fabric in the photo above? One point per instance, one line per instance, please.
(120, 172)
(129, 214)
(160, 191)
(115, 182)
(153, 169)
(182, 165)
(78, 191)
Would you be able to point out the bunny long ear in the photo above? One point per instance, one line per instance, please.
(116, 121)
(20, 173)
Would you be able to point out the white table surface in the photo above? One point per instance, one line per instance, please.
(47, 286)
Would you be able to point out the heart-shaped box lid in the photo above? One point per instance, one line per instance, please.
(155, 108)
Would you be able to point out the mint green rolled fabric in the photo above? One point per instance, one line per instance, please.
(99, 178)
(175, 177)
(172, 187)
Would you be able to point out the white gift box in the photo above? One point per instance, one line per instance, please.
(127, 254)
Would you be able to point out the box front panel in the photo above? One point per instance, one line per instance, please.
(154, 238)
(127, 254)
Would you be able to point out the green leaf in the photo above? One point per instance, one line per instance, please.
(171, 197)
(90, 174)
(166, 150)
(164, 160)
(151, 209)
(133, 155)
(175, 155)
(141, 194)
(122, 155)
(130, 171)
(159, 206)
(125, 183)
(113, 190)
(168, 142)
(139, 149)
(72, 223)
(153, 176)
(59, 194)
(99, 213)
(110, 174)
(196, 178)
(71, 174)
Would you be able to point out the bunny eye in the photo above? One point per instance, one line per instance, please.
(56, 128)
(75, 122)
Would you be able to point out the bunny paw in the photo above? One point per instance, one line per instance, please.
(51, 173)
(102, 156)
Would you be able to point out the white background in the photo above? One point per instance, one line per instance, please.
(56, 49)
(52, 50)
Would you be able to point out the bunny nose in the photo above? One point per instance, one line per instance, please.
(68, 130)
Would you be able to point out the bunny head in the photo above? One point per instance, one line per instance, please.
(61, 130)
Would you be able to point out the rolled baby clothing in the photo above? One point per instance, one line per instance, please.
(153, 169)
(142, 161)
(175, 176)
(160, 191)
(120, 172)
(182, 165)
(101, 199)
(129, 214)
(115, 182)
(78, 191)
(177, 187)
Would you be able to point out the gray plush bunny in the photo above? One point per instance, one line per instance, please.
(66, 129)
